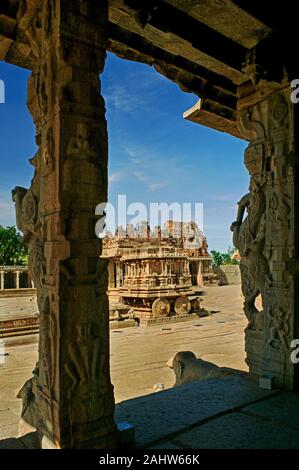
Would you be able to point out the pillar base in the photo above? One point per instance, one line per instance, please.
(25, 428)
(48, 444)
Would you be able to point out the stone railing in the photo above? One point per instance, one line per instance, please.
(15, 278)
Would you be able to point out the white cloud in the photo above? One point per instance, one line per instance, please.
(140, 176)
(157, 185)
(148, 180)
(118, 98)
(115, 176)
(134, 154)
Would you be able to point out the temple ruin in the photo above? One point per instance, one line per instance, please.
(238, 57)
(154, 275)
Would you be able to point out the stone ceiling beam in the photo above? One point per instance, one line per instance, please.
(141, 45)
(180, 34)
(210, 114)
(277, 16)
(169, 19)
(15, 20)
(207, 47)
(227, 18)
(189, 76)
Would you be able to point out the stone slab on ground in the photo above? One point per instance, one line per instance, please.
(172, 411)
(283, 409)
(235, 431)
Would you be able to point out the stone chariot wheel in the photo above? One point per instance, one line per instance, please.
(182, 305)
(161, 307)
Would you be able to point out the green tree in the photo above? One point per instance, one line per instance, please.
(217, 258)
(13, 251)
(223, 258)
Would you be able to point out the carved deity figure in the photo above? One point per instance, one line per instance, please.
(84, 367)
(249, 239)
(279, 327)
(82, 163)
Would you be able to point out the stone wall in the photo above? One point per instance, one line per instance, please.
(228, 274)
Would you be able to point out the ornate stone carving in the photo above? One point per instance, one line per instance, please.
(48, 163)
(70, 397)
(279, 327)
(279, 109)
(265, 237)
(249, 239)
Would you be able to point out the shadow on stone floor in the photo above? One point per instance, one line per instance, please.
(227, 413)
(29, 441)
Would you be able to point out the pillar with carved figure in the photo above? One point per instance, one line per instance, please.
(69, 399)
(266, 235)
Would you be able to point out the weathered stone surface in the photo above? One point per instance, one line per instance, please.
(282, 408)
(237, 431)
(266, 239)
(228, 274)
(69, 398)
(156, 416)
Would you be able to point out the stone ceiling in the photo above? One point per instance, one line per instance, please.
(212, 48)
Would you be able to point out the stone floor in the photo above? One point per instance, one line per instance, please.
(229, 413)
(17, 307)
(138, 355)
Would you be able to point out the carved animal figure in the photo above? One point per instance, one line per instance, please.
(188, 368)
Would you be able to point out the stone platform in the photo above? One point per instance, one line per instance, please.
(13, 293)
(227, 413)
(172, 319)
(18, 315)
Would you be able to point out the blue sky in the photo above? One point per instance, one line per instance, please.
(154, 154)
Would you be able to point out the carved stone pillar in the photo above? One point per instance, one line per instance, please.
(29, 282)
(267, 238)
(70, 396)
(17, 274)
(111, 273)
(199, 276)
